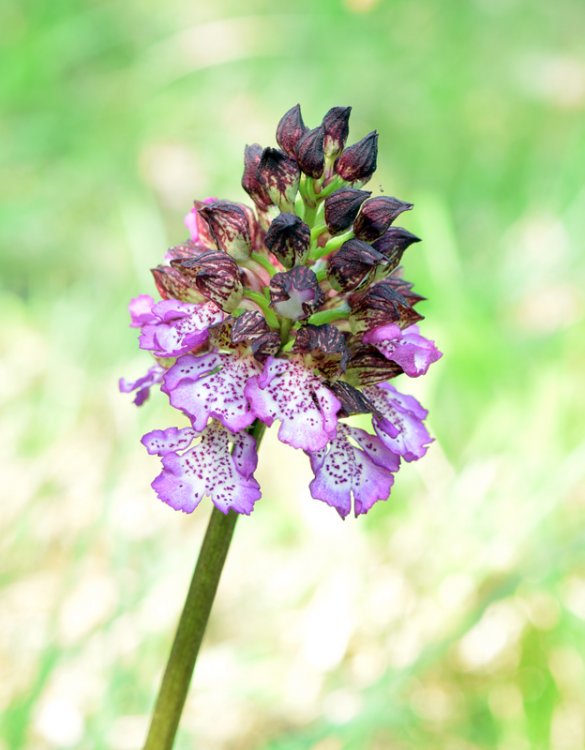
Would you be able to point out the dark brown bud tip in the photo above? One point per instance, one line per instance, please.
(342, 207)
(250, 180)
(289, 239)
(376, 215)
(336, 127)
(290, 130)
(251, 329)
(353, 265)
(393, 243)
(171, 284)
(216, 275)
(229, 227)
(352, 400)
(358, 162)
(280, 176)
(325, 348)
(310, 154)
(389, 301)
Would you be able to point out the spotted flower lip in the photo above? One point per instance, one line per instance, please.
(292, 314)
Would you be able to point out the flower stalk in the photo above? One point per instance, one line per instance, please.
(192, 624)
(294, 312)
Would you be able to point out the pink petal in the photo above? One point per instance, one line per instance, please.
(142, 385)
(413, 352)
(399, 423)
(140, 309)
(178, 327)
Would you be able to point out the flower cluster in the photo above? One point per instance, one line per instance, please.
(294, 312)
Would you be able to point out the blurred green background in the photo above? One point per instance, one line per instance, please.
(453, 615)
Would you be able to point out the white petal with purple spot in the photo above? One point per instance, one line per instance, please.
(208, 469)
(212, 385)
(399, 422)
(288, 391)
(353, 464)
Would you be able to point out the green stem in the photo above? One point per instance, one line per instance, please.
(336, 184)
(192, 624)
(317, 231)
(334, 244)
(328, 316)
(264, 262)
(264, 305)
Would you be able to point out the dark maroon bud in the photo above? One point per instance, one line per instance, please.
(171, 284)
(367, 366)
(310, 156)
(289, 239)
(405, 288)
(353, 265)
(376, 215)
(382, 303)
(290, 130)
(230, 227)
(336, 127)
(393, 243)
(251, 329)
(358, 162)
(323, 347)
(216, 275)
(342, 207)
(352, 400)
(250, 180)
(280, 176)
(296, 294)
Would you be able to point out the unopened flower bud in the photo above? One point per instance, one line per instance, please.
(358, 162)
(376, 215)
(280, 177)
(296, 294)
(290, 130)
(393, 243)
(250, 179)
(353, 264)
(230, 228)
(352, 401)
(172, 284)
(336, 127)
(388, 301)
(367, 366)
(342, 207)
(251, 328)
(310, 156)
(323, 348)
(289, 239)
(216, 275)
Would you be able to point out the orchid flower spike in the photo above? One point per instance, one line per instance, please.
(295, 313)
